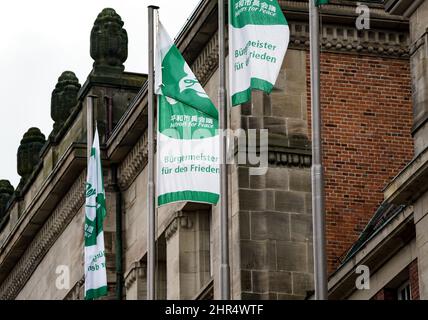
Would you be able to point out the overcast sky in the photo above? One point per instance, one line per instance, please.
(41, 39)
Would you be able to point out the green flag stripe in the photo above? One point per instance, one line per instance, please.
(241, 97)
(245, 96)
(93, 294)
(194, 196)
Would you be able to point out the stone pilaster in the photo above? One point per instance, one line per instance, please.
(136, 282)
(419, 68)
(188, 254)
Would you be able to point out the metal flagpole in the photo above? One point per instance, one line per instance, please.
(151, 240)
(321, 290)
(90, 122)
(224, 185)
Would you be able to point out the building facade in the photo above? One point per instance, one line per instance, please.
(367, 79)
(393, 245)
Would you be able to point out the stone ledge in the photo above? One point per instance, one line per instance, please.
(138, 270)
(75, 292)
(348, 40)
(373, 254)
(421, 41)
(36, 215)
(401, 7)
(43, 241)
(181, 219)
(410, 183)
(125, 80)
(134, 163)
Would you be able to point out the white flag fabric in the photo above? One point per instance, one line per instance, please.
(188, 150)
(258, 40)
(95, 209)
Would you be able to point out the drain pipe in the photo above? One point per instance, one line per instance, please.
(119, 244)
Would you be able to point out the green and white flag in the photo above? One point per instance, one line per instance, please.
(95, 209)
(258, 40)
(187, 141)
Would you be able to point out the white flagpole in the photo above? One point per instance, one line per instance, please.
(224, 184)
(151, 218)
(320, 261)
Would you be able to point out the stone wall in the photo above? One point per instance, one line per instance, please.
(67, 251)
(419, 64)
(419, 69)
(275, 209)
(135, 216)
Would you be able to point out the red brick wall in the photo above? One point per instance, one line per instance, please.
(367, 118)
(379, 296)
(414, 280)
(385, 294)
(391, 294)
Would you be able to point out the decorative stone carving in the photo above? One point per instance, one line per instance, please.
(333, 38)
(138, 271)
(29, 153)
(134, 163)
(77, 292)
(290, 158)
(6, 192)
(336, 38)
(206, 64)
(181, 220)
(64, 98)
(109, 43)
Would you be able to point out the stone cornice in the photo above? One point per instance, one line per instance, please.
(422, 41)
(409, 184)
(32, 211)
(334, 38)
(207, 61)
(44, 239)
(76, 292)
(382, 246)
(349, 40)
(138, 270)
(290, 157)
(402, 7)
(134, 163)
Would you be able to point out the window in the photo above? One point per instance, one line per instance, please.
(403, 292)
